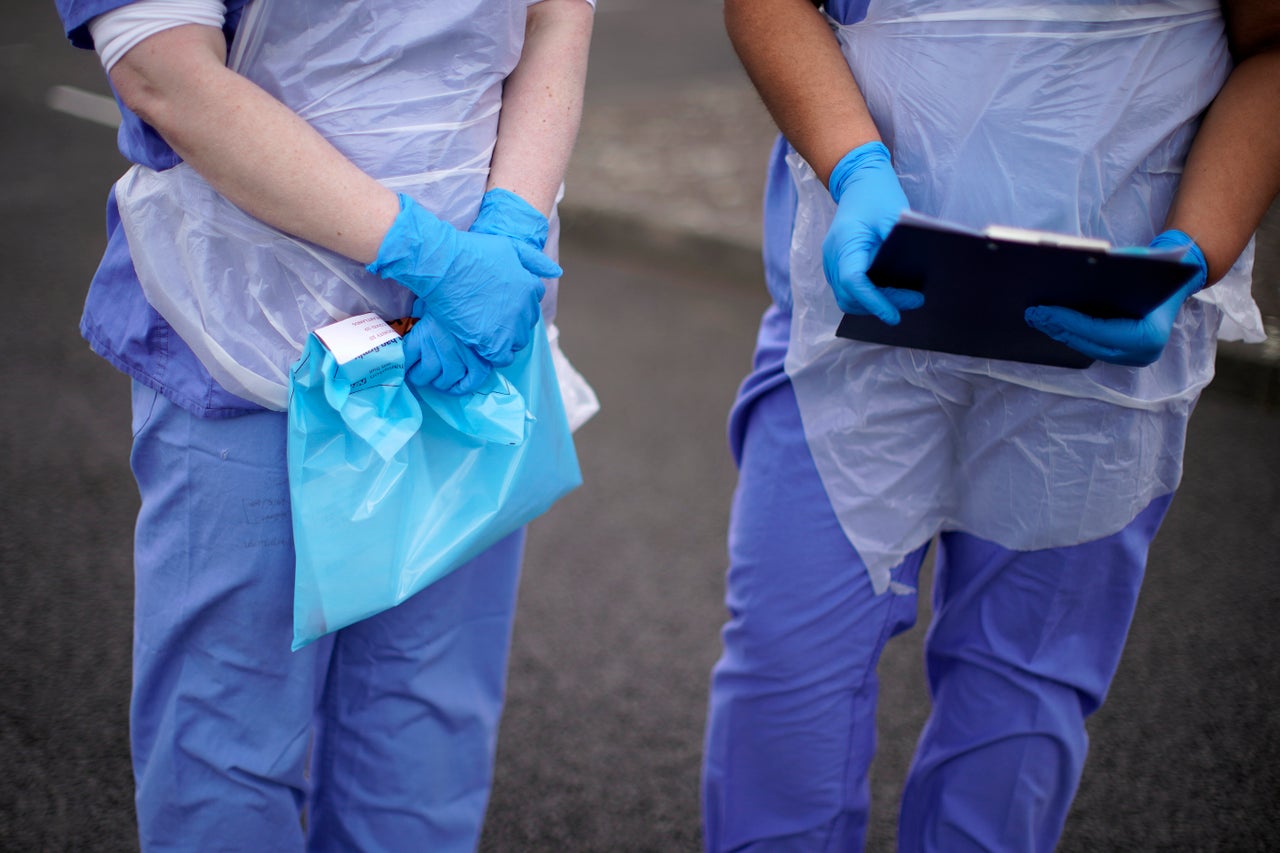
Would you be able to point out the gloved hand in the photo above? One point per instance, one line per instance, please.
(869, 200)
(1135, 343)
(482, 288)
(506, 214)
(434, 357)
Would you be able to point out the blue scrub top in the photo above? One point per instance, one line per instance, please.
(118, 322)
(847, 11)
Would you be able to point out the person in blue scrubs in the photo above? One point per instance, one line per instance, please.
(382, 735)
(1145, 124)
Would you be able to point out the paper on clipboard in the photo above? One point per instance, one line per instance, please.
(978, 284)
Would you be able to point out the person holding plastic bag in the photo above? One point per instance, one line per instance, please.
(298, 162)
(1044, 486)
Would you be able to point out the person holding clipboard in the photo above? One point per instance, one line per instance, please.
(1147, 125)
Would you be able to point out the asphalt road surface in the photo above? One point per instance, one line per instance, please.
(620, 604)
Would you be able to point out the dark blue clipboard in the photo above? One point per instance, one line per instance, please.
(977, 287)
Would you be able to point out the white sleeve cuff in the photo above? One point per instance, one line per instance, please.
(116, 32)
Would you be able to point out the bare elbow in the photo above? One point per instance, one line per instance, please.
(146, 100)
(158, 76)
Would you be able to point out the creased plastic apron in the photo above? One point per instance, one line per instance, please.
(1008, 113)
(414, 104)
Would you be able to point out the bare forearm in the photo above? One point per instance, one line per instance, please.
(1232, 174)
(542, 103)
(795, 63)
(250, 147)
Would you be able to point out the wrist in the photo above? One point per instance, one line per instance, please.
(508, 214)
(869, 155)
(1193, 255)
(417, 249)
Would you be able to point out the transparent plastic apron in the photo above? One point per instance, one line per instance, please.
(410, 93)
(1071, 117)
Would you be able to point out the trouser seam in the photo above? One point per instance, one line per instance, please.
(882, 639)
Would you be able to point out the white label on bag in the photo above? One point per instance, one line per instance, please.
(351, 338)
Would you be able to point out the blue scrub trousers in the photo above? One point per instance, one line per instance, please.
(380, 737)
(1022, 647)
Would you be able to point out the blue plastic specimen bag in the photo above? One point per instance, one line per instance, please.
(394, 487)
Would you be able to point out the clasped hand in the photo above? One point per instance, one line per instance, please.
(478, 290)
(869, 201)
(1135, 343)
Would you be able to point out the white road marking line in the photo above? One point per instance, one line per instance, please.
(82, 104)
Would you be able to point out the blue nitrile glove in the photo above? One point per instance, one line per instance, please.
(434, 357)
(482, 288)
(506, 214)
(1135, 343)
(869, 200)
